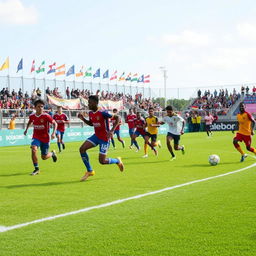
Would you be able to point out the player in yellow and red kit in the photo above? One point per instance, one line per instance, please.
(246, 125)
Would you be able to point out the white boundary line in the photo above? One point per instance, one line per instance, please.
(5, 229)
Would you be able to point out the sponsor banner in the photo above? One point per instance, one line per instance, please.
(224, 126)
(66, 104)
(16, 137)
(106, 104)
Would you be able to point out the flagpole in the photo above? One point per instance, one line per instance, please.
(22, 78)
(9, 83)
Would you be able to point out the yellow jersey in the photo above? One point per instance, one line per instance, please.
(245, 120)
(149, 121)
(12, 125)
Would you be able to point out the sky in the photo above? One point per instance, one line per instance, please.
(199, 42)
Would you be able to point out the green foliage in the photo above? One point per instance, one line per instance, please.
(178, 104)
(211, 218)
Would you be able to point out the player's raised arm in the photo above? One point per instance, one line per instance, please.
(88, 122)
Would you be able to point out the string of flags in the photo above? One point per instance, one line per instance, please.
(86, 73)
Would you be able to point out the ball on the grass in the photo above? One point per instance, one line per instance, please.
(214, 159)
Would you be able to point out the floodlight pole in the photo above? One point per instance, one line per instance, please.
(164, 70)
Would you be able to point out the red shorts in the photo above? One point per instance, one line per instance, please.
(247, 139)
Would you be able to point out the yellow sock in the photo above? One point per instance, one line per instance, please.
(240, 150)
(146, 149)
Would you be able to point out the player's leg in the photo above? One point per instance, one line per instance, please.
(146, 138)
(119, 138)
(89, 143)
(34, 147)
(61, 140)
(131, 132)
(58, 140)
(176, 139)
(103, 156)
(169, 138)
(45, 154)
(113, 142)
(154, 143)
(134, 136)
(207, 130)
(237, 146)
(248, 142)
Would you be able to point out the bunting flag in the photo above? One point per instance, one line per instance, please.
(71, 71)
(80, 73)
(106, 75)
(134, 77)
(33, 67)
(88, 72)
(97, 73)
(121, 78)
(20, 65)
(61, 70)
(52, 68)
(41, 68)
(5, 64)
(141, 79)
(147, 79)
(128, 78)
(114, 76)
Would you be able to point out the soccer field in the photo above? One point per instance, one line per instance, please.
(209, 217)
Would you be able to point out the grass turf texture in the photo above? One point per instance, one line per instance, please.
(215, 217)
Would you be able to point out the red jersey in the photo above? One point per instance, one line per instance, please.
(41, 125)
(113, 122)
(130, 120)
(139, 125)
(59, 118)
(100, 121)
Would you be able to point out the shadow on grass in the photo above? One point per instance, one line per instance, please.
(207, 165)
(12, 174)
(147, 162)
(55, 183)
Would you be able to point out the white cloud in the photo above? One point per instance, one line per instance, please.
(247, 30)
(187, 37)
(14, 12)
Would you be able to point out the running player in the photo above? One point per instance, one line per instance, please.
(61, 119)
(246, 129)
(176, 128)
(130, 121)
(41, 122)
(152, 125)
(208, 122)
(117, 130)
(100, 120)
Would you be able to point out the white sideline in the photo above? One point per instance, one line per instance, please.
(4, 229)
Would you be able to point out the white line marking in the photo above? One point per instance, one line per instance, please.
(4, 229)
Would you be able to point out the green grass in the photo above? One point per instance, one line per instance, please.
(214, 217)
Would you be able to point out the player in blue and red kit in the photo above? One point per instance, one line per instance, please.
(61, 119)
(117, 130)
(100, 120)
(131, 125)
(41, 138)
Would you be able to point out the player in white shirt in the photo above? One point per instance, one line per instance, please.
(176, 128)
(208, 122)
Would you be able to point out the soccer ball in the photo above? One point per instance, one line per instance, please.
(214, 159)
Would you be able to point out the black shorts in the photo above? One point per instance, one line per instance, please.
(153, 137)
(176, 138)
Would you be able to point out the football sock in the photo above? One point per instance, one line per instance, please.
(172, 154)
(63, 145)
(58, 143)
(36, 166)
(113, 143)
(86, 161)
(113, 161)
(136, 144)
(146, 149)
(122, 143)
